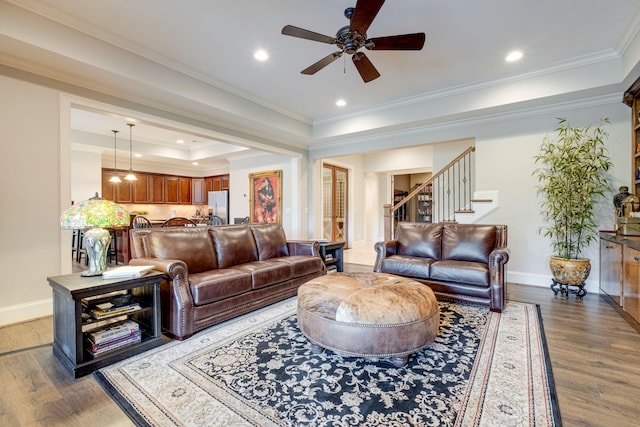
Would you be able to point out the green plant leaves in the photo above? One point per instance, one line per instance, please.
(572, 177)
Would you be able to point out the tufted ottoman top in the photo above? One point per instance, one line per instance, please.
(371, 314)
(367, 298)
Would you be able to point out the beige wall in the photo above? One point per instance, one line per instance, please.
(30, 194)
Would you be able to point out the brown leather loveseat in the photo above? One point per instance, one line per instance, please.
(213, 273)
(463, 262)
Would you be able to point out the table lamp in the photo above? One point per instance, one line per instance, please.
(93, 215)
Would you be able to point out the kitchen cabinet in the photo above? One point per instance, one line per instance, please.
(217, 183)
(141, 189)
(198, 191)
(631, 282)
(159, 188)
(177, 190)
(611, 273)
(156, 189)
(120, 192)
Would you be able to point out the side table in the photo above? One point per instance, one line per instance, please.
(332, 255)
(74, 296)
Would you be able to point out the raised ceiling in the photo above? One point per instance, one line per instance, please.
(197, 58)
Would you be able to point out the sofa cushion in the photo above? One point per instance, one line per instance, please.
(472, 273)
(468, 242)
(193, 246)
(234, 245)
(301, 265)
(403, 265)
(266, 273)
(214, 285)
(271, 241)
(419, 239)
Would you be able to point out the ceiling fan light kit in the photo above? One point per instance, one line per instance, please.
(351, 38)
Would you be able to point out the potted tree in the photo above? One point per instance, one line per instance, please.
(572, 178)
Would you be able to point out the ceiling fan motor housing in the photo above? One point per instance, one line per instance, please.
(350, 41)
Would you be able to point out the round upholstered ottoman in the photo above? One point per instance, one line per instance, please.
(368, 314)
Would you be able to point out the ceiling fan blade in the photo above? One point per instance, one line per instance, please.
(364, 14)
(312, 69)
(290, 30)
(366, 69)
(400, 42)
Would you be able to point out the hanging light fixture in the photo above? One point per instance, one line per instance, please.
(115, 178)
(130, 176)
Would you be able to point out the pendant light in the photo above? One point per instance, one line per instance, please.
(130, 176)
(115, 178)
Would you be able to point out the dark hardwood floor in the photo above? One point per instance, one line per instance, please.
(594, 349)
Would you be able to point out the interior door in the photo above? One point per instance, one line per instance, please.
(335, 184)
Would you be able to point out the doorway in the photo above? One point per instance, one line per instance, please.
(335, 186)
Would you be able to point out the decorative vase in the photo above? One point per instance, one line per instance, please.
(570, 271)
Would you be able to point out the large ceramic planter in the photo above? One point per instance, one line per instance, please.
(570, 271)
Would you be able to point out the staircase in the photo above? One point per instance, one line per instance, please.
(452, 196)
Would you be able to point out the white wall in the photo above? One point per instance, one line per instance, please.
(86, 175)
(292, 208)
(30, 191)
(506, 164)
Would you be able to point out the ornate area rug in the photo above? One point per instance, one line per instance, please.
(484, 369)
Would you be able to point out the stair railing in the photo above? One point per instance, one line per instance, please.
(452, 190)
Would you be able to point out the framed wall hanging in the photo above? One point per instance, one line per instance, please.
(265, 201)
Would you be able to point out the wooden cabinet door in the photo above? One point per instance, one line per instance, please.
(108, 188)
(198, 194)
(171, 189)
(184, 190)
(611, 269)
(631, 291)
(156, 189)
(224, 182)
(124, 192)
(141, 189)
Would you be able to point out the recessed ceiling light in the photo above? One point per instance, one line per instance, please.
(137, 155)
(341, 102)
(180, 141)
(195, 163)
(514, 56)
(261, 55)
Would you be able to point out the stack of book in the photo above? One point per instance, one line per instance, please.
(112, 337)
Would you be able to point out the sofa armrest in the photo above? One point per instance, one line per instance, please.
(498, 277)
(303, 247)
(384, 249)
(175, 296)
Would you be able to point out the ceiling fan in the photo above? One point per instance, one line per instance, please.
(351, 38)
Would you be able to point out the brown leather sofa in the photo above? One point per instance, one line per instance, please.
(461, 262)
(213, 273)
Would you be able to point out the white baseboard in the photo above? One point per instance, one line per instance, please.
(25, 312)
(544, 280)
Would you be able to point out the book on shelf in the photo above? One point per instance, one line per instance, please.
(97, 324)
(113, 332)
(97, 349)
(108, 309)
(126, 272)
(87, 300)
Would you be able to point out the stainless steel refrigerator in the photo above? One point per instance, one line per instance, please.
(218, 202)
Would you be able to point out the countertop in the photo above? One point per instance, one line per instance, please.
(630, 241)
